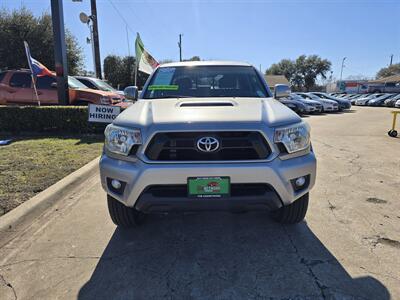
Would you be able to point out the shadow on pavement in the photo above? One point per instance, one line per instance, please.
(222, 256)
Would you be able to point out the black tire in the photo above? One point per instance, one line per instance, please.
(122, 215)
(292, 213)
(392, 133)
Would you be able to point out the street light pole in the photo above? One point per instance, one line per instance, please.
(60, 52)
(95, 39)
(180, 47)
(341, 70)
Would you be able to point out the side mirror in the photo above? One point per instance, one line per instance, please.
(131, 93)
(54, 85)
(281, 91)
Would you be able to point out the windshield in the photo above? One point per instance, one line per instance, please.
(205, 81)
(295, 97)
(74, 83)
(312, 96)
(104, 86)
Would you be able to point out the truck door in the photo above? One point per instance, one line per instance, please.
(47, 92)
(20, 89)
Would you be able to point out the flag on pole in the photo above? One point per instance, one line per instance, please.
(145, 62)
(36, 67)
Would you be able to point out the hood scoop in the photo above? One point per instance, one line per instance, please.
(206, 103)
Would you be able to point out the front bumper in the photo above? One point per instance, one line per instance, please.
(139, 176)
(331, 108)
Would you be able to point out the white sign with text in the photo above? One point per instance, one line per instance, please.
(103, 113)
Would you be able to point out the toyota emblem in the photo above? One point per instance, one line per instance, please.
(207, 144)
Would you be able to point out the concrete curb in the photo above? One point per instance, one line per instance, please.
(29, 210)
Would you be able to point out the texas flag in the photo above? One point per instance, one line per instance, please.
(36, 67)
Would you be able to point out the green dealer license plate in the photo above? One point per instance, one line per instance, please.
(209, 187)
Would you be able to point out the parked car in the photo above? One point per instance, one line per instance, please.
(295, 105)
(327, 105)
(364, 100)
(98, 84)
(390, 102)
(312, 106)
(16, 88)
(180, 147)
(379, 101)
(397, 104)
(358, 96)
(344, 103)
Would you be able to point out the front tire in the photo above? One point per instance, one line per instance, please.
(122, 215)
(292, 213)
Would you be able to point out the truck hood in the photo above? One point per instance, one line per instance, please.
(208, 111)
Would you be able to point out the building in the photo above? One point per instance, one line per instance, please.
(348, 86)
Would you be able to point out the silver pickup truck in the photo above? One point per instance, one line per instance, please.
(207, 136)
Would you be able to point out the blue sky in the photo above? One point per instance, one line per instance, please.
(259, 32)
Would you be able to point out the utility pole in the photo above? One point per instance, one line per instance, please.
(391, 60)
(95, 38)
(60, 52)
(127, 40)
(341, 70)
(180, 47)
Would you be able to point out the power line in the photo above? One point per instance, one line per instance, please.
(122, 17)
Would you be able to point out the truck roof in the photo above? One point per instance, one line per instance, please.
(206, 63)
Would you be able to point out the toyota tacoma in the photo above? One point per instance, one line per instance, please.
(207, 136)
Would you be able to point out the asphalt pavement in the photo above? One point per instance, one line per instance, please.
(348, 247)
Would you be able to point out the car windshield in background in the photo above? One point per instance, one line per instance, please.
(205, 81)
(74, 83)
(104, 86)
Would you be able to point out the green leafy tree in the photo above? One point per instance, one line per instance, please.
(193, 58)
(389, 71)
(21, 25)
(120, 71)
(303, 72)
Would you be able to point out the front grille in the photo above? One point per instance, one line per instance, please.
(180, 190)
(182, 146)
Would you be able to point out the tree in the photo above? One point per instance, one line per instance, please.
(303, 72)
(120, 71)
(193, 58)
(21, 25)
(388, 71)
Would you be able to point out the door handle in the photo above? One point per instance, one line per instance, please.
(12, 91)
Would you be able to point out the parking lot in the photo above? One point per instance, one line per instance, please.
(348, 248)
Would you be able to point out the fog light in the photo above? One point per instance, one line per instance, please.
(300, 181)
(116, 184)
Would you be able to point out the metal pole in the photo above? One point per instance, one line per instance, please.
(96, 39)
(127, 40)
(341, 70)
(60, 53)
(136, 70)
(180, 47)
(93, 49)
(391, 60)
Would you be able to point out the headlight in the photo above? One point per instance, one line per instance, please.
(120, 140)
(294, 138)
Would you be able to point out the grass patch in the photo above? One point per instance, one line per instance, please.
(30, 164)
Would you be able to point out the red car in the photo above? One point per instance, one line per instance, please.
(16, 88)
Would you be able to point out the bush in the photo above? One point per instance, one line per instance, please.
(60, 119)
